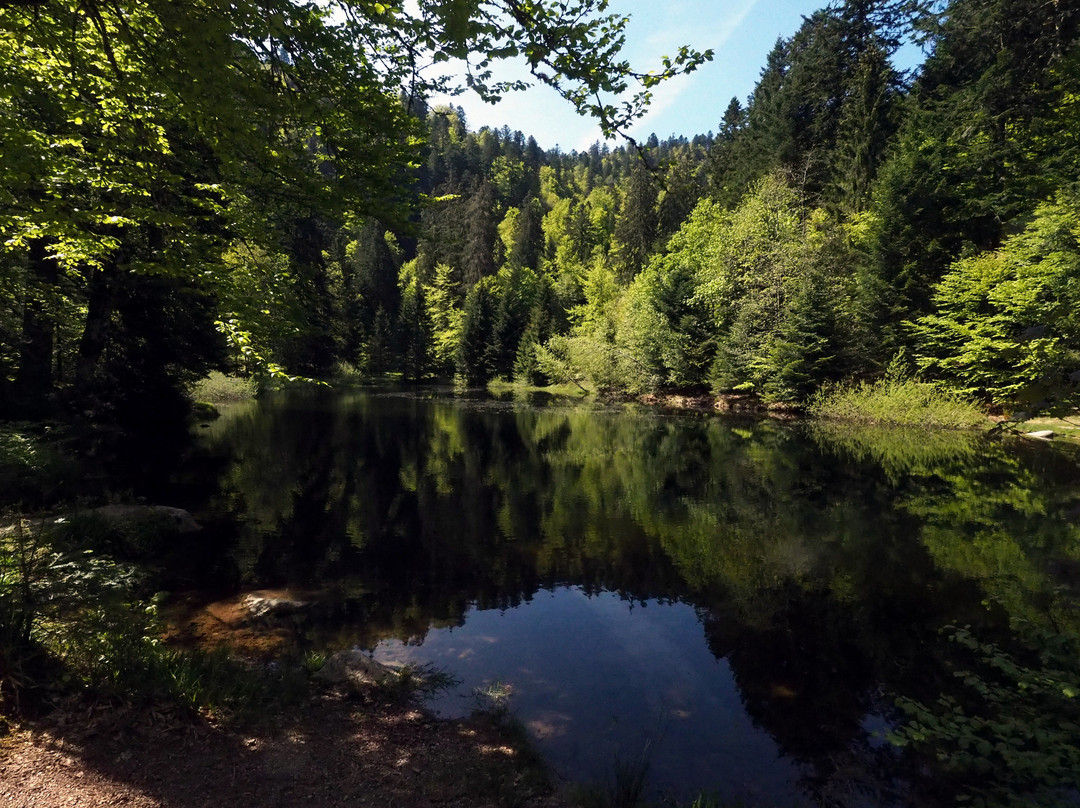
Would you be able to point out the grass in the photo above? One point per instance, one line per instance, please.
(1066, 427)
(502, 386)
(624, 789)
(493, 702)
(217, 388)
(897, 402)
(417, 683)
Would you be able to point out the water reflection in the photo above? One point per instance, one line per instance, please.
(787, 581)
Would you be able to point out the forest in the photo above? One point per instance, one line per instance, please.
(296, 210)
(271, 191)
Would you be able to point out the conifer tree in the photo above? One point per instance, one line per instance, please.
(473, 355)
(636, 223)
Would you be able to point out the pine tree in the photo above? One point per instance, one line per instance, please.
(477, 258)
(682, 190)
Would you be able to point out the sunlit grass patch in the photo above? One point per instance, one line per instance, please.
(217, 388)
(897, 402)
(1066, 427)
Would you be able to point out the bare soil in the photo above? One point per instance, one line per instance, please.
(336, 751)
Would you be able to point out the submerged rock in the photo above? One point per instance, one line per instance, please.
(1042, 434)
(180, 519)
(354, 667)
(174, 520)
(260, 605)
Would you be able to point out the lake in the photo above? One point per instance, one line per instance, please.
(738, 604)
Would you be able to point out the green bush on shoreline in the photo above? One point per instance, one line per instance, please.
(217, 388)
(896, 402)
(76, 621)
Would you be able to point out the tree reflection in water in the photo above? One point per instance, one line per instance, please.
(822, 561)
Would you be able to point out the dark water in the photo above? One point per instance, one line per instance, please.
(740, 603)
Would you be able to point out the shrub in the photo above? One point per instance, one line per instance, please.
(897, 402)
(217, 388)
(1005, 323)
(1017, 716)
(82, 620)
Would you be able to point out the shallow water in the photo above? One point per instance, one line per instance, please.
(738, 603)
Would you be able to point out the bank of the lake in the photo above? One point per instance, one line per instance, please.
(334, 752)
(889, 403)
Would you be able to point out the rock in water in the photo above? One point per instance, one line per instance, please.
(353, 667)
(264, 604)
(164, 518)
(183, 521)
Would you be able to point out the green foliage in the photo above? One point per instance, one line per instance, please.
(770, 279)
(443, 303)
(32, 466)
(665, 328)
(77, 619)
(136, 139)
(471, 356)
(636, 224)
(415, 329)
(244, 189)
(896, 401)
(217, 388)
(1005, 326)
(1016, 715)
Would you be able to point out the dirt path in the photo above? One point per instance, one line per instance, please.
(334, 753)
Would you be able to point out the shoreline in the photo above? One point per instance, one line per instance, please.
(335, 750)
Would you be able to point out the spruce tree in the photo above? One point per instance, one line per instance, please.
(636, 223)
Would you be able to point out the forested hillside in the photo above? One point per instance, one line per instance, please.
(844, 219)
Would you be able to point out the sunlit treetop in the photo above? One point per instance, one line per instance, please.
(151, 113)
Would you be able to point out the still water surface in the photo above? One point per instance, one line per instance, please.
(737, 602)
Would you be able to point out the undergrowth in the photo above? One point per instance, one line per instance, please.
(74, 621)
(896, 401)
(217, 388)
(1014, 714)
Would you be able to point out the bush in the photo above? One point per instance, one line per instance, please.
(80, 620)
(1017, 716)
(32, 467)
(217, 388)
(896, 402)
(1005, 326)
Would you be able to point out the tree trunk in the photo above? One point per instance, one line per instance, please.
(100, 304)
(34, 380)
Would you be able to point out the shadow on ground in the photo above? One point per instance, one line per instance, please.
(335, 753)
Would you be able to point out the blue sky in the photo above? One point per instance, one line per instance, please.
(741, 32)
